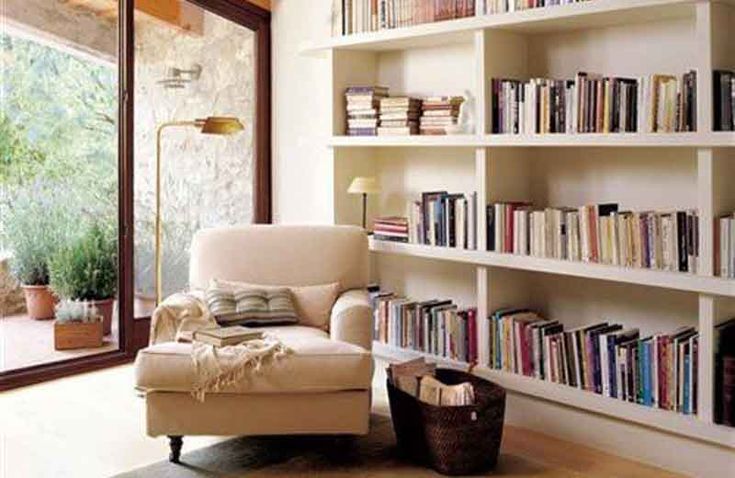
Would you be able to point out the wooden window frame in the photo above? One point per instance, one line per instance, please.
(134, 333)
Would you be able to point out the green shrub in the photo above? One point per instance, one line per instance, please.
(35, 226)
(87, 268)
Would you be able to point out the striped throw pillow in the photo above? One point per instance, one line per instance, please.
(251, 306)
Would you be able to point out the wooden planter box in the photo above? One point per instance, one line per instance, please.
(77, 335)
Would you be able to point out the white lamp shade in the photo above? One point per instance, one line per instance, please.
(364, 185)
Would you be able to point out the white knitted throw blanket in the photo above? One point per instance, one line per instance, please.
(216, 368)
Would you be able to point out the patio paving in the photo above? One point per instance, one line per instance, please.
(25, 342)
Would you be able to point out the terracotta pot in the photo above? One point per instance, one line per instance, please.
(105, 309)
(40, 302)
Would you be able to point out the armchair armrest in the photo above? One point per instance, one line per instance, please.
(178, 316)
(351, 319)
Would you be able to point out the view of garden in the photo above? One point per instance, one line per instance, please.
(58, 176)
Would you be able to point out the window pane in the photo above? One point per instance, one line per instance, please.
(190, 64)
(58, 177)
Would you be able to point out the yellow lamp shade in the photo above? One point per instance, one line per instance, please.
(364, 185)
(221, 125)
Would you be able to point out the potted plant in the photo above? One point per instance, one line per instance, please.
(86, 270)
(78, 325)
(34, 229)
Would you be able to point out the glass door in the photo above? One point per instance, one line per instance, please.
(58, 181)
(194, 137)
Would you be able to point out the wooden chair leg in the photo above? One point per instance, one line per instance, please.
(175, 442)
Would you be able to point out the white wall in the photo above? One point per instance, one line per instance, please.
(302, 165)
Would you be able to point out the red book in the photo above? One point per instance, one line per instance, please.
(472, 334)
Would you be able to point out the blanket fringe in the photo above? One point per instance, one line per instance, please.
(220, 368)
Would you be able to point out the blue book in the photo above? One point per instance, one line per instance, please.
(645, 370)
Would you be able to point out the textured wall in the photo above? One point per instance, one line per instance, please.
(11, 296)
(207, 179)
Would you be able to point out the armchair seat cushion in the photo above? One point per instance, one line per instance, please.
(318, 364)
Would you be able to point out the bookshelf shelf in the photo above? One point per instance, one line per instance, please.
(594, 13)
(654, 278)
(632, 140)
(638, 171)
(651, 417)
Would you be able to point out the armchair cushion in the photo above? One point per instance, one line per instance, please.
(317, 365)
(351, 319)
(251, 306)
(313, 303)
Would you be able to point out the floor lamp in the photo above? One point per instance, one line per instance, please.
(216, 125)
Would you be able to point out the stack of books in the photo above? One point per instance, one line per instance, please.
(658, 371)
(399, 116)
(439, 114)
(598, 233)
(595, 104)
(436, 327)
(418, 378)
(226, 336)
(443, 219)
(723, 101)
(726, 246)
(363, 107)
(724, 342)
(392, 228)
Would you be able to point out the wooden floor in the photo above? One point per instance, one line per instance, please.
(92, 425)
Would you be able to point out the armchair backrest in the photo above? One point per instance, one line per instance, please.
(280, 255)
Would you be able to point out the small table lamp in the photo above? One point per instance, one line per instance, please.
(364, 185)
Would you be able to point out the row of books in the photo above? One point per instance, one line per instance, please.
(391, 228)
(591, 103)
(600, 233)
(658, 370)
(723, 85)
(504, 6)
(359, 16)
(363, 107)
(436, 327)
(444, 219)
(724, 342)
(726, 246)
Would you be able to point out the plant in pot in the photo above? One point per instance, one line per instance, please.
(86, 270)
(34, 229)
(78, 325)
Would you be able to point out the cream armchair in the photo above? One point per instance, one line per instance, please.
(322, 388)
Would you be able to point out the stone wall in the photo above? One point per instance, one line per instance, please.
(11, 295)
(207, 180)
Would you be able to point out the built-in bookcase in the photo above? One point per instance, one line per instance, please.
(640, 171)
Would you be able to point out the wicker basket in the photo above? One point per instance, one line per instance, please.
(451, 440)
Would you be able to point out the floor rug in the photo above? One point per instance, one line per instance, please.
(374, 455)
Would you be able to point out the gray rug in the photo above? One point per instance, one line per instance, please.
(373, 455)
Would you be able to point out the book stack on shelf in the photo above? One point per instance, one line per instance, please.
(391, 228)
(363, 108)
(594, 104)
(436, 327)
(440, 114)
(444, 219)
(724, 341)
(723, 84)
(726, 246)
(657, 371)
(399, 116)
(597, 233)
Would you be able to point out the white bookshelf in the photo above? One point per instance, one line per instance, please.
(574, 397)
(639, 171)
